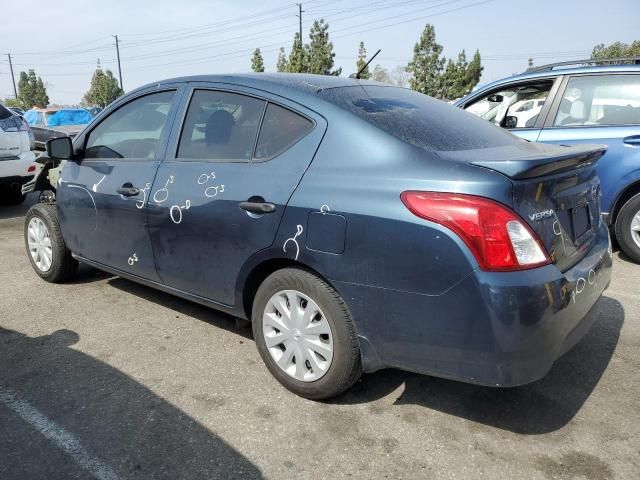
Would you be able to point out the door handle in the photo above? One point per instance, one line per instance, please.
(258, 207)
(128, 190)
(632, 140)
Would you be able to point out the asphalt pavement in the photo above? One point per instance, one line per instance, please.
(104, 378)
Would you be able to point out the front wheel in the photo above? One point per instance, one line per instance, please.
(305, 334)
(628, 228)
(46, 249)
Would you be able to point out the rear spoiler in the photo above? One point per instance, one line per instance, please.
(539, 164)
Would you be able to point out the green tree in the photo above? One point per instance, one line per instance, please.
(616, 50)
(257, 64)
(320, 51)
(104, 89)
(298, 57)
(282, 65)
(12, 102)
(381, 74)
(362, 61)
(460, 77)
(31, 91)
(427, 64)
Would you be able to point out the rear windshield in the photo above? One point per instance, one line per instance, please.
(418, 119)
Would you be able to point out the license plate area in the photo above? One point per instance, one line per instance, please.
(580, 221)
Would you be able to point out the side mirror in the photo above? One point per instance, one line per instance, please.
(60, 148)
(510, 121)
(495, 98)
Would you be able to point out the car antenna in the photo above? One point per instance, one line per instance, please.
(357, 75)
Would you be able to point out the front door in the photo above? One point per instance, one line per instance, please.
(220, 193)
(103, 196)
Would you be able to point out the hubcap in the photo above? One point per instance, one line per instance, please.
(39, 242)
(635, 228)
(297, 335)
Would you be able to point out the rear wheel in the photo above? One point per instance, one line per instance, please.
(46, 249)
(628, 228)
(305, 334)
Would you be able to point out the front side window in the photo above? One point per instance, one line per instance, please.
(220, 126)
(600, 100)
(512, 107)
(133, 130)
(280, 129)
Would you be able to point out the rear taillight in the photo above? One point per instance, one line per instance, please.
(498, 238)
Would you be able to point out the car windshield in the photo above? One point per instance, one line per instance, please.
(418, 119)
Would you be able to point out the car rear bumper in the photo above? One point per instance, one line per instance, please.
(492, 328)
(16, 169)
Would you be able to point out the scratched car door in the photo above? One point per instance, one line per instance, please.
(221, 191)
(103, 195)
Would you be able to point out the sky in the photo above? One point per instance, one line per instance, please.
(160, 39)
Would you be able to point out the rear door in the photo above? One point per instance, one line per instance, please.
(238, 151)
(519, 107)
(102, 198)
(601, 108)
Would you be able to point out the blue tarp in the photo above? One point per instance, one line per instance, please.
(67, 116)
(31, 116)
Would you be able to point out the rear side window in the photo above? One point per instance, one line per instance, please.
(220, 126)
(280, 129)
(8, 121)
(133, 130)
(600, 100)
(418, 119)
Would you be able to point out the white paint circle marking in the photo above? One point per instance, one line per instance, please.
(592, 277)
(580, 286)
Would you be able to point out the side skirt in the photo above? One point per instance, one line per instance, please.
(229, 309)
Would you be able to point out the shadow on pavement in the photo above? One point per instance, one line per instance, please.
(58, 404)
(18, 211)
(180, 305)
(541, 407)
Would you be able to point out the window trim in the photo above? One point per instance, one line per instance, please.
(553, 112)
(174, 157)
(166, 129)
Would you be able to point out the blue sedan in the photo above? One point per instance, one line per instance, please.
(357, 226)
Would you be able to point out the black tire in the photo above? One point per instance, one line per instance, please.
(63, 265)
(12, 195)
(345, 368)
(623, 228)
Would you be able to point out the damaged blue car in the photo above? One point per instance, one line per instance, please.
(357, 226)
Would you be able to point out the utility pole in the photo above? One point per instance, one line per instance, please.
(13, 79)
(300, 23)
(118, 55)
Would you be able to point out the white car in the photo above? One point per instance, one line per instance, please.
(17, 161)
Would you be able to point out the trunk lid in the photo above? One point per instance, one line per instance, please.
(555, 190)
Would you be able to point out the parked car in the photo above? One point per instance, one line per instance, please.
(17, 165)
(357, 226)
(584, 104)
(49, 123)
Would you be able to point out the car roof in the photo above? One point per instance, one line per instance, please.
(286, 84)
(554, 72)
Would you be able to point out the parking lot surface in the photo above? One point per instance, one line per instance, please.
(108, 379)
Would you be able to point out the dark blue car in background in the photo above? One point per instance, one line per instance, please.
(357, 226)
(575, 102)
